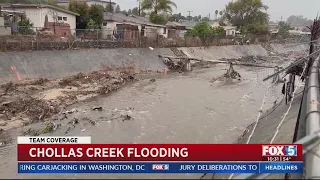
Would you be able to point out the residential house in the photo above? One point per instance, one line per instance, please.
(230, 30)
(118, 24)
(299, 28)
(61, 21)
(273, 27)
(214, 24)
(4, 30)
(103, 3)
(6, 19)
(175, 29)
(298, 32)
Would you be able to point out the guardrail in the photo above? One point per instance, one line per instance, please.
(307, 130)
(312, 119)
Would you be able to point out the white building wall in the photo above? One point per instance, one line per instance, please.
(231, 32)
(70, 19)
(215, 24)
(150, 31)
(37, 16)
(107, 29)
(34, 15)
(162, 32)
(4, 30)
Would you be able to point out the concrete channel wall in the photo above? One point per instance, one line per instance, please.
(281, 48)
(57, 64)
(227, 52)
(61, 63)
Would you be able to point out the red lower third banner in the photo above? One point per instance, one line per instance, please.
(159, 152)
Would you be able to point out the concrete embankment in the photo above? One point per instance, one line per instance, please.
(57, 64)
(227, 52)
(285, 48)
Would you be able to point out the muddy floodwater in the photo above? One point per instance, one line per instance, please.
(174, 108)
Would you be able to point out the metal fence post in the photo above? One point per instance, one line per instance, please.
(37, 39)
(97, 37)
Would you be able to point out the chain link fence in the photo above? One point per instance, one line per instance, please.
(59, 37)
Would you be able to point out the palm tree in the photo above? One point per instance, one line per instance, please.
(216, 14)
(221, 13)
(158, 5)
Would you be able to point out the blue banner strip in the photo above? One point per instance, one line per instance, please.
(176, 168)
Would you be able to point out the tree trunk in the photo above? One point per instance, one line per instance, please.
(155, 7)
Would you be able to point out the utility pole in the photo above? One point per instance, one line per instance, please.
(139, 7)
(111, 7)
(189, 16)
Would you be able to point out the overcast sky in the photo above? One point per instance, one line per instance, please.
(277, 8)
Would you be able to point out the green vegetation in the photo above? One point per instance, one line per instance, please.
(205, 19)
(135, 11)
(25, 26)
(176, 17)
(219, 31)
(158, 18)
(284, 28)
(90, 16)
(203, 30)
(156, 7)
(91, 24)
(109, 8)
(299, 21)
(96, 14)
(249, 16)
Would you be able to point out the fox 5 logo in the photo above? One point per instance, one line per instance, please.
(160, 167)
(274, 150)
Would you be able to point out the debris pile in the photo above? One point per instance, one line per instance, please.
(31, 101)
(230, 74)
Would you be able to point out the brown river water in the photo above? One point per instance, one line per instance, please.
(176, 108)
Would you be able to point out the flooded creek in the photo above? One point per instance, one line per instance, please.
(175, 108)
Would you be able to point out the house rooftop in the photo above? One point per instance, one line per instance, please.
(171, 23)
(188, 24)
(67, 1)
(123, 18)
(11, 12)
(229, 27)
(38, 6)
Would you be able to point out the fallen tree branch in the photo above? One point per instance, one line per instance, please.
(219, 61)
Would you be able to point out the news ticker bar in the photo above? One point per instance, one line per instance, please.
(159, 152)
(176, 168)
